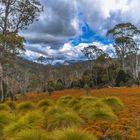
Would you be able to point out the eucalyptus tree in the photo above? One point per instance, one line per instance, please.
(135, 53)
(124, 42)
(15, 16)
(92, 52)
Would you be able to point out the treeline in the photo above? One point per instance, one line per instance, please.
(27, 76)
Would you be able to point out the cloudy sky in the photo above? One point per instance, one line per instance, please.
(65, 27)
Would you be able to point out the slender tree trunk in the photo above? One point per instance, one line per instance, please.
(1, 84)
(137, 67)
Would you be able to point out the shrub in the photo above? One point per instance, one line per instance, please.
(45, 102)
(29, 121)
(26, 106)
(50, 89)
(4, 107)
(114, 102)
(87, 89)
(97, 111)
(31, 135)
(59, 85)
(72, 134)
(122, 78)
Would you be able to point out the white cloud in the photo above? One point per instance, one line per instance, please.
(66, 52)
(60, 21)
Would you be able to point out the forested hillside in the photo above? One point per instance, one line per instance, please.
(27, 76)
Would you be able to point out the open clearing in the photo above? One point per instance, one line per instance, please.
(128, 123)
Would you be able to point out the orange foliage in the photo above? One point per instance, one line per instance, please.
(127, 127)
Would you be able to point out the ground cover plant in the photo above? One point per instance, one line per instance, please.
(60, 119)
(125, 127)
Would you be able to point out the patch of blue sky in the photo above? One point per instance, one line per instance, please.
(87, 36)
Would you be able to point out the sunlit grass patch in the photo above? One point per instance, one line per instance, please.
(72, 133)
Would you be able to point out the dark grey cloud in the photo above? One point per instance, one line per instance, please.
(56, 23)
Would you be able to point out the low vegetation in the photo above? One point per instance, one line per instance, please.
(28, 121)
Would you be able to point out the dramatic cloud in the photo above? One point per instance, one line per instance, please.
(66, 24)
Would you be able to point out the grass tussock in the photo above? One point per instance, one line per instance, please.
(45, 103)
(72, 133)
(64, 100)
(73, 102)
(61, 118)
(5, 119)
(29, 121)
(98, 111)
(31, 135)
(113, 102)
(11, 104)
(4, 107)
(25, 106)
